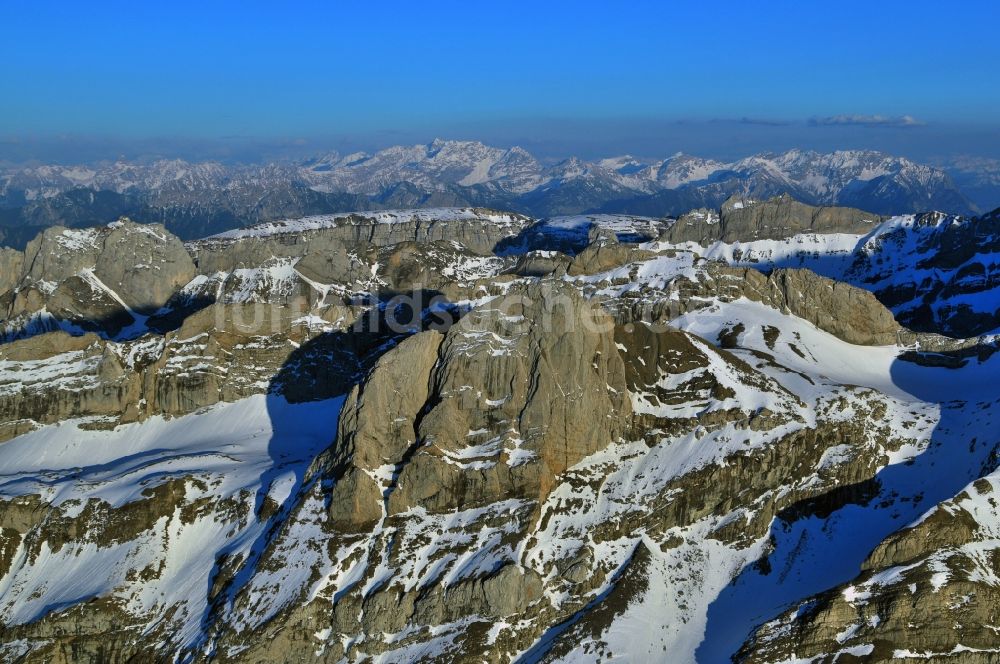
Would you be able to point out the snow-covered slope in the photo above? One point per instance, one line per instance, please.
(501, 220)
(936, 272)
(155, 504)
(438, 163)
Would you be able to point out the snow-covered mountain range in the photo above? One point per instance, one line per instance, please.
(195, 199)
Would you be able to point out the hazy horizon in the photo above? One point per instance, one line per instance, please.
(249, 81)
(643, 139)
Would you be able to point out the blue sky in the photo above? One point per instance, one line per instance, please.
(595, 75)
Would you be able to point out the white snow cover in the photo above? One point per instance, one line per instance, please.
(442, 164)
(895, 255)
(425, 215)
(228, 448)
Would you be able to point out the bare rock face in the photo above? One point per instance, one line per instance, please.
(314, 238)
(222, 353)
(604, 253)
(541, 263)
(701, 226)
(845, 311)
(92, 279)
(411, 266)
(54, 377)
(774, 219)
(527, 386)
(11, 265)
(377, 428)
(77, 301)
(378, 420)
(504, 392)
(143, 263)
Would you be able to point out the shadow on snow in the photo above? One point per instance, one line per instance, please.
(821, 543)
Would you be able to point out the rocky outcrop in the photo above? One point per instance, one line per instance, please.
(11, 266)
(743, 220)
(926, 592)
(222, 353)
(331, 240)
(143, 263)
(847, 312)
(603, 254)
(935, 272)
(378, 429)
(55, 377)
(534, 412)
(541, 264)
(95, 279)
(505, 393)
(700, 225)
(409, 266)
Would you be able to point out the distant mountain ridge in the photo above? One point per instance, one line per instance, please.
(196, 199)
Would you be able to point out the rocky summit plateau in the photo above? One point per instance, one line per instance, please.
(699, 416)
